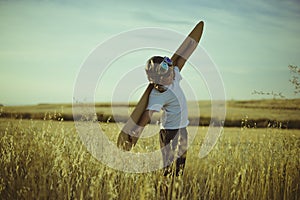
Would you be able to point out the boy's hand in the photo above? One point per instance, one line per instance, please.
(137, 131)
(144, 120)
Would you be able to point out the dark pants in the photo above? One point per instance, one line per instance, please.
(173, 145)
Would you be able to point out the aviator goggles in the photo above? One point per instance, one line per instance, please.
(163, 67)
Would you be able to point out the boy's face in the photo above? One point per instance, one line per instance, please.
(167, 80)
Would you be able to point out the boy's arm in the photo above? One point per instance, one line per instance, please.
(144, 120)
(188, 46)
(184, 52)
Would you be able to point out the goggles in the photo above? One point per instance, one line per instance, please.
(163, 67)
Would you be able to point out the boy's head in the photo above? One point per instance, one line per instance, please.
(160, 70)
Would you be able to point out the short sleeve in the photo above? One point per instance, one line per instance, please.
(156, 101)
(178, 76)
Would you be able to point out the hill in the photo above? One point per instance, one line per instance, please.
(253, 113)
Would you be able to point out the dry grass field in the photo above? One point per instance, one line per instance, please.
(45, 159)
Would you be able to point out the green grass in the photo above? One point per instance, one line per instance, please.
(46, 160)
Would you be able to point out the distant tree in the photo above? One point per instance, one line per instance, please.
(295, 80)
(273, 94)
(295, 72)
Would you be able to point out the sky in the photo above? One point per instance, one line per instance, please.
(44, 45)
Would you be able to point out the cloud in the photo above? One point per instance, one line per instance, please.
(246, 38)
(153, 18)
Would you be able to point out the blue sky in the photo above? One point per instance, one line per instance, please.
(44, 43)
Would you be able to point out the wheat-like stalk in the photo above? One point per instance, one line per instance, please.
(47, 160)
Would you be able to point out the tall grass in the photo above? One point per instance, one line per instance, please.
(46, 160)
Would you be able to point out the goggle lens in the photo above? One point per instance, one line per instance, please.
(168, 60)
(164, 66)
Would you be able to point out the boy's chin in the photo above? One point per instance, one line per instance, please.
(166, 84)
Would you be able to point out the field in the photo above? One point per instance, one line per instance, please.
(257, 113)
(45, 159)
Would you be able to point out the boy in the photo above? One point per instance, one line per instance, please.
(168, 96)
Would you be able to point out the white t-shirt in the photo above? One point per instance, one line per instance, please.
(172, 102)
